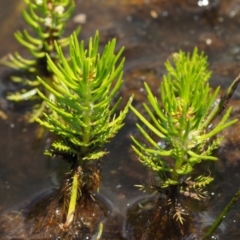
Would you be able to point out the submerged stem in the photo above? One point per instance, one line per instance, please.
(225, 211)
(178, 164)
(100, 230)
(87, 121)
(73, 200)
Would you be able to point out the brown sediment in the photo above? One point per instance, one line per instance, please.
(157, 219)
(49, 215)
(46, 217)
(43, 217)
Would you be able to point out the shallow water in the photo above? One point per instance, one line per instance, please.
(150, 32)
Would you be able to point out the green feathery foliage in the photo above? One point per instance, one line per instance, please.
(181, 122)
(47, 19)
(83, 115)
(81, 96)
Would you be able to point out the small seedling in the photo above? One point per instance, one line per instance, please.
(180, 131)
(83, 115)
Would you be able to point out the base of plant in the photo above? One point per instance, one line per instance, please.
(156, 219)
(45, 215)
(88, 215)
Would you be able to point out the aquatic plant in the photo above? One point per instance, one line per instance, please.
(47, 19)
(181, 129)
(83, 114)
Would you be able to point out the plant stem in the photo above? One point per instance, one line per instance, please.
(174, 175)
(87, 121)
(178, 165)
(72, 201)
(100, 230)
(222, 215)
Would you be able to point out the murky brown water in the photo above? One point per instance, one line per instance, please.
(150, 32)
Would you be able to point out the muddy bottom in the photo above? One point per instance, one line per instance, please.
(43, 218)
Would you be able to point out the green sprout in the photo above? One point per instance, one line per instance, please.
(47, 19)
(182, 126)
(83, 114)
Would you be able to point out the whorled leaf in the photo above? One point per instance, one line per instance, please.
(83, 114)
(47, 21)
(182, 118)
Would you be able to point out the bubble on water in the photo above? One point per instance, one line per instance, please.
(57, 211)
(196, 18)
(118, 186)
(162, 144)
(129, 18)
(232, 13)
(165, 13)
(203, 3)
(208, 41)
